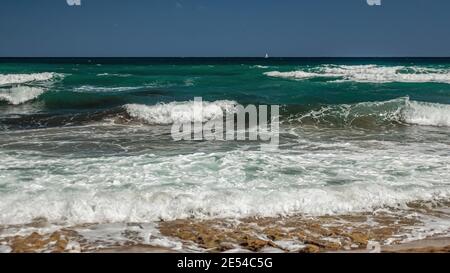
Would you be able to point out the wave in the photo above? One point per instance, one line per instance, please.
(236, 183)
(400, 111)
(11, 79)
(114, 75)
(148, 206)
(397, 111)
(159, 114)
(260, 66)
(92, 88)
(21, 94)
(369, 74)
(87, 96)
(432, 114)
(168, 113)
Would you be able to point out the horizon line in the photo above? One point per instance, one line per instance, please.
(220, 57)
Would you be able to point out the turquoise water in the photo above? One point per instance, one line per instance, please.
(97, 85)
(88, 140)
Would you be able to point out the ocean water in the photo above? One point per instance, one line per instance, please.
(88, 140)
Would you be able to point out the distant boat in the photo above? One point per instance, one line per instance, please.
(267, 56)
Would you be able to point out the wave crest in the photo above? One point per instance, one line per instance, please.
(368, 74)
(21, 94)
(182, 112)
(10, 79)
(431, 114)
(399, 111)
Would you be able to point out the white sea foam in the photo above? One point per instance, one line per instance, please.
(181, 112)
(5, 249)
(422, 113)
(189, 82)
(294, 74)
(113, 75)
(20, 94)
(9, 79)
(369, 74)
(92, 88)
(238, 183)
(401, 110)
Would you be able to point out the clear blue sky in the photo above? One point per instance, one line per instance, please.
(224, 28)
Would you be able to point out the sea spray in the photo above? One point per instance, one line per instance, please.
(10, 79)
(368, 74)
(241, 123)
(21, 94)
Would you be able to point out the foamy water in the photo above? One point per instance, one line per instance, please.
(93, 145)
(180, 112)
(432, 114)
(16, 92)
(369, 74)
(19, 95)
(311, 177)
(8, 79)
(401, 110)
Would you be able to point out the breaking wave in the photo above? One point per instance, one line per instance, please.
(168, 113)
(21, 94)
(90, 88)
(432, 114)
(400, 111)
(10, 79)
(142, 188)
(16, 88)
(368, 74)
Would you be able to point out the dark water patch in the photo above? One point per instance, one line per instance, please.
(58, 100)
(48, 120)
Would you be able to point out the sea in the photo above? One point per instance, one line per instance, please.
(86, 144)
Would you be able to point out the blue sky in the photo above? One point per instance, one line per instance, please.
(186, 28)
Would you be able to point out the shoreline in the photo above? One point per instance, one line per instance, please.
(387, 231)
(429, 245)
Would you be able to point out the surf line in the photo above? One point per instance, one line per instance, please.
(250, 123)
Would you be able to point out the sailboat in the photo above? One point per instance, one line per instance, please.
(267, 56)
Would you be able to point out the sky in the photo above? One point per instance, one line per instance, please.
(224, 28)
